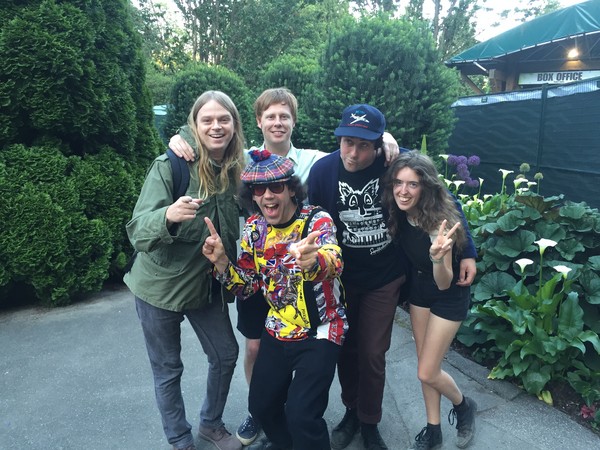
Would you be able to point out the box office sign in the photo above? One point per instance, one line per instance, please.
(560, 77)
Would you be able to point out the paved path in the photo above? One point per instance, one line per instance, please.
(78, 378)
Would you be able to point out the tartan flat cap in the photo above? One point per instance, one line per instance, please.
(266, 167)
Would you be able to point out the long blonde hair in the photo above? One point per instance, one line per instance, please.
(231, 165)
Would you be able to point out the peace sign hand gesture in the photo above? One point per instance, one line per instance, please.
(213, 248)
(442, 244)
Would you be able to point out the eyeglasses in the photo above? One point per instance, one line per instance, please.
(260, 189)
(409, 184)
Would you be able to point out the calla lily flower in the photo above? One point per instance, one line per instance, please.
(563, 269)
(518, 181)
(444, 157)
(523, 262)
(545, 243)
(505, 173)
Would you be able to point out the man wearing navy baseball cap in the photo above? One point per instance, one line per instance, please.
(346, 183)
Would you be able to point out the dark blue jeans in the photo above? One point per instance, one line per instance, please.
(289, 391)
(162, 332)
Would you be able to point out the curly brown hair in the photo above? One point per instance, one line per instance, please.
(435, 203)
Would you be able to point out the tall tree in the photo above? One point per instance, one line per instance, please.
(261, 31)
(452, 24)
(206, 22)
(530, 9)
(163, 42)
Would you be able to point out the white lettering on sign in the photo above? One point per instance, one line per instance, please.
(557, 77)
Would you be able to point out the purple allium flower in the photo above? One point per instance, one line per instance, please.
(472, 183)
(452, 160)
(462, 159)
(462, 171)
(473, 160)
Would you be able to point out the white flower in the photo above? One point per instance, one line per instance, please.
(518, 181)
(480, 181)
(505, 173)
(444, 157)
(563, 269)
(523, 262)
(531, 183)
(457, 183)
(544, 243)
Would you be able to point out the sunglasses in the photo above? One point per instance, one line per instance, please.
(275, 188)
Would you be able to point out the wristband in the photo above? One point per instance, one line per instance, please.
(436, 261)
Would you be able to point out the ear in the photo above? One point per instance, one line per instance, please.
(258, 122)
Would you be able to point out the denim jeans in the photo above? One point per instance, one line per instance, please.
(162, 333)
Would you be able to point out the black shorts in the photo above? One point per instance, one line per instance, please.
(451, 304)
(252, 313)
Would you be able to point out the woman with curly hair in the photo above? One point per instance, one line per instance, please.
(424, 219)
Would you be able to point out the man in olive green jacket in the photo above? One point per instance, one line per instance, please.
(171, 278)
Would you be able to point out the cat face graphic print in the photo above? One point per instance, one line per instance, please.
(361, 215)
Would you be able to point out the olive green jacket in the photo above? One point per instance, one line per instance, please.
(170, 271)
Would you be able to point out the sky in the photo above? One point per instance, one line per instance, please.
(485, 20)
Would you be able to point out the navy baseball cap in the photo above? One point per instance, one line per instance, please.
(361, 121)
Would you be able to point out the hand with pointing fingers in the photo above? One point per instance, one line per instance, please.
(183, 209)
(442, 244)
(213, 248)
(306, 251)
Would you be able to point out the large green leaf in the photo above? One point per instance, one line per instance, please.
(511, 221)
(515, 244)
(492, 285)
(573, 211)
(590, 283)
(535, 380)
(550, 230)
(570, 317)
(568, 248)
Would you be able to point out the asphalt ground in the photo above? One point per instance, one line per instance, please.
(78, 378)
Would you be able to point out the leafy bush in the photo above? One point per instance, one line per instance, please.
(536, 299)
(393, 65)
(76, 136)
(48, 242)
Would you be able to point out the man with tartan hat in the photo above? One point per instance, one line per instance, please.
(289, 252)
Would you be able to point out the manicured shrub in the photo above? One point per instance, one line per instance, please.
(47, 241)
(390, 64)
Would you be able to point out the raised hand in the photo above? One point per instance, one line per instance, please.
(305, 251)
(213, 248)
(442, 244)
(390, 148)
(183, 209)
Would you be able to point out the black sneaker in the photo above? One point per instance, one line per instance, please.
(248, 431)
(428, 439)
(371, 437)
(344, 432)
(465, 422)
(265, 444)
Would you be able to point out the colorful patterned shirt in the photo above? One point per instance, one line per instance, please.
(304, 304)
